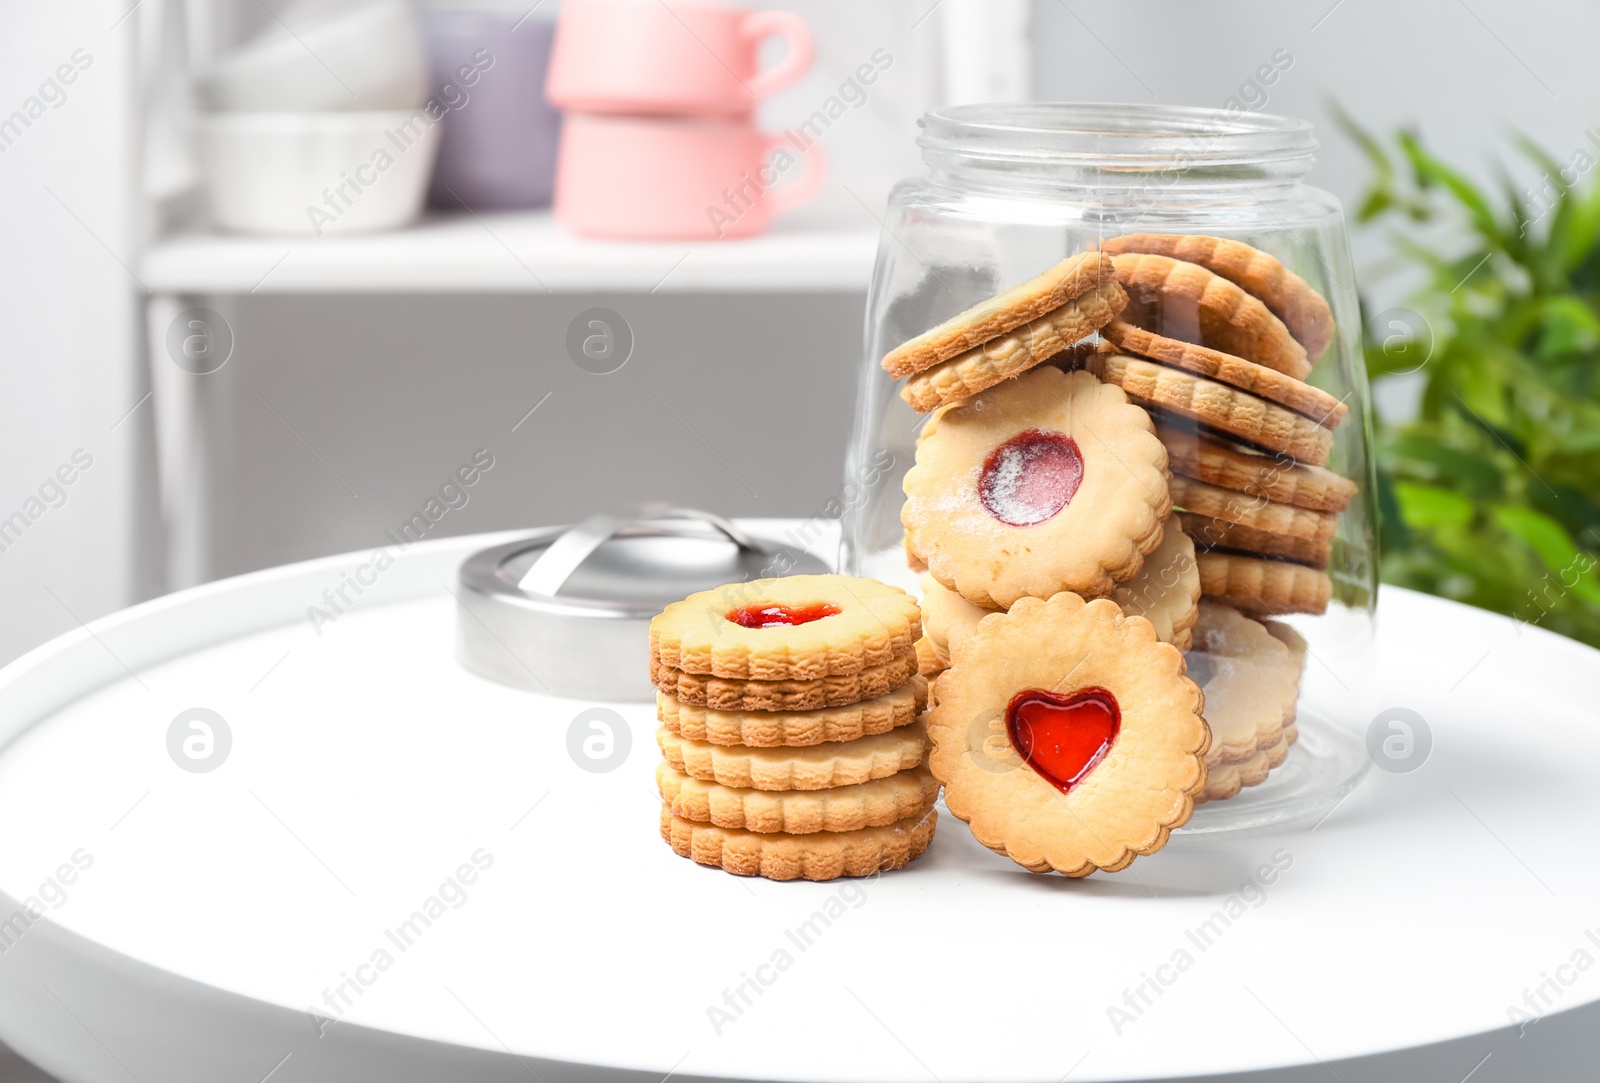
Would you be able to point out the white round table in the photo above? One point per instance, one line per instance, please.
(399, 871)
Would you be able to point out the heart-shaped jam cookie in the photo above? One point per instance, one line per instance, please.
(1060, 736)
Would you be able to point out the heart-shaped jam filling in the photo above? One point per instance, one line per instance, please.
(1063, 737)
(780, 616)
(1030, 477)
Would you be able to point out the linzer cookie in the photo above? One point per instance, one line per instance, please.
(730, 694)
(1166, 592)
(1067, 736)
(1211, 533)
(816, 767)
(877, 803)
(1276, 478)
(1289, 297)
(823, 855)
(773, 729)
(1269, 384)
(1067, 281)
(1264, 587)
(1050, 482)
(1029, 345)
(801, 627)
(1250, 679)
(1183, 300)
(1212, 502)
(1226, 779)
(1237, 413)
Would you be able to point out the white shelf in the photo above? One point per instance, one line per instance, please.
(507, 253)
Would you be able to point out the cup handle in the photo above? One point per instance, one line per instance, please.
(797, 59)
(815, 175)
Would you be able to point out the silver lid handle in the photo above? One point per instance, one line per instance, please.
(550, 572)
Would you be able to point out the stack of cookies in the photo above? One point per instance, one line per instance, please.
(1180, 454)
(792, 739)
(1033, 476)
(1216, 341)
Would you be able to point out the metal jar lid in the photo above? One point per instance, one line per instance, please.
(567, 612)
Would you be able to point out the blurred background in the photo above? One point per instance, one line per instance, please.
(234, 374)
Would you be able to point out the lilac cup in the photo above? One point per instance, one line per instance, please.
(498, 150)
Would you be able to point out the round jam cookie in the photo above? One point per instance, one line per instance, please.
(1050, 482)
(1302, 309)
(987, 320)
(1235, 413)
(1264, 588)
(795, 729)
(1166, 592)
(1209, 533)
(931, 661)
(799, 627)
(1270, 384)
(1274, 477)
(816, 767)
(730, 694)
(1067, 736)
(1182, 300)
(1213, 502)
(1250, 679)
(799, 812)
(1030, 345)
(820, 856)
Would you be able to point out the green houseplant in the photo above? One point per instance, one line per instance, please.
(1490, 494)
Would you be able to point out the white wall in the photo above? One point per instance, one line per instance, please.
(1461, 72)
(66, 306)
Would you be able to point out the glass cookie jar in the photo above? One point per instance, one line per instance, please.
(1239, 336)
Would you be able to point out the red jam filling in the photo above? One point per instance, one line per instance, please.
(1063, 737)
(1030, 477)
(779, 616)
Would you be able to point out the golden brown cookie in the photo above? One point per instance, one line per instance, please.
(1214, 502)
(1270, 384)
(1225, 780)
(1166, 592)
(1067, 736)
(1177, 299)
(1227, 409)
(728, 694)
(989, 319)
(820, 856)
(930, 660)
(1275, 477)
(1250, 679)
(795, 729)
(799, 627)
(816, 767)
(1290, 298)
(1050, 482)
(1263, 587)
(877, 803)
(1030, 345)
(1211, 533)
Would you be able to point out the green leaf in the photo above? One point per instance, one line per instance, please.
(1570, 568)
(1427, 506)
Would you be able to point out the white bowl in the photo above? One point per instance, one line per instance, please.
(363, 58)
(317, 173)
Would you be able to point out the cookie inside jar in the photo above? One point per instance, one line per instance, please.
(1113, 353)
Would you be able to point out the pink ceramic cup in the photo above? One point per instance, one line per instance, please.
(648, 179)
(665, 58)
